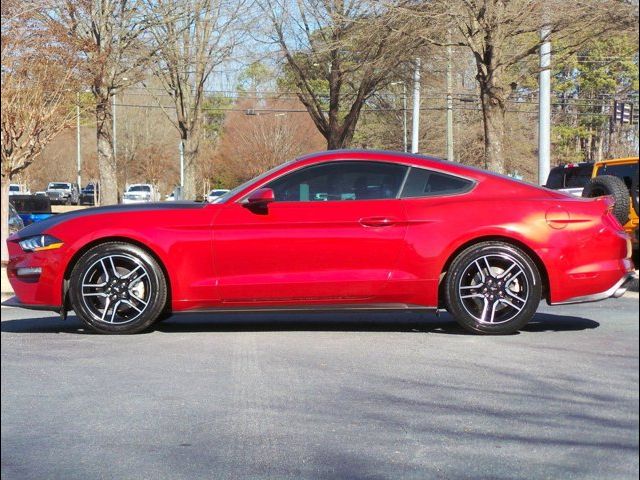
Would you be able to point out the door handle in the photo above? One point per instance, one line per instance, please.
(378, 221)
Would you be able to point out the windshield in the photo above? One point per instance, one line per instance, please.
(14, 188)
(239, 188)
(59, 186)
(217, 193)
(139, 188)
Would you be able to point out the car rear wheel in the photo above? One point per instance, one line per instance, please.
(493, 288)
(117, 287)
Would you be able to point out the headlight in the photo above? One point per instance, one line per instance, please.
(39, 243)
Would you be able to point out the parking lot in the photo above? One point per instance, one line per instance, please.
(340, 396)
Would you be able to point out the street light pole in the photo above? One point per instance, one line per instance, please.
(449, 104)
(113, 118)
(181, 147)
(78, 153)
(404, 115)
(544, 109)
(415, 134)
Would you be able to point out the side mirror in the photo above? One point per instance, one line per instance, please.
(261, 198)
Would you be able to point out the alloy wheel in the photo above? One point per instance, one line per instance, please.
(494, 288)
(116, 289)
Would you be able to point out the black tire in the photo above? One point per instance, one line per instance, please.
(67, 201)
(614, 186)
(118, 288)
(493, 288)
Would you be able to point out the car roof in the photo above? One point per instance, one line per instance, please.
(365, 153)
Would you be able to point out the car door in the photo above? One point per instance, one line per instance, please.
(333, 234)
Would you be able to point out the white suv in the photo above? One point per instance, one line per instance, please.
(140, 193)
(18, 189)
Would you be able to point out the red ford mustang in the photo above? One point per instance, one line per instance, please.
(339, 230)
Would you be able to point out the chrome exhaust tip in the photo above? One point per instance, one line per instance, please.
(619, 292)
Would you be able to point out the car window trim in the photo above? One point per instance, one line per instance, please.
(242, 200)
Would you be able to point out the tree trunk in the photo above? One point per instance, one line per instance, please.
(107, 169)
(340, 136)
(334, 142)
(493, 115)
(4, 217)
(191, 146)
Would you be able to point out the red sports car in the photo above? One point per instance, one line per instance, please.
(334, 230)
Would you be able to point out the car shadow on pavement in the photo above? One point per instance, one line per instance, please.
(404, 321)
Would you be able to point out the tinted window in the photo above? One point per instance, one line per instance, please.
(556, 178)
(139, 188)
(578, 177)
(425, 183)
(625, 172)
(340, 181)
(569, 176)
(31, 203)
(59, 186)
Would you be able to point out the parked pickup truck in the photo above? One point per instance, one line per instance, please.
(31, 208)
(64, 193)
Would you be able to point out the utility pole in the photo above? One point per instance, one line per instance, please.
(449, 103)
(415, 131)
(404, 115)
(78, 154)
(181, 147)
(113, 118)
(544, 108)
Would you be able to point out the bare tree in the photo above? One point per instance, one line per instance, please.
(252, 144)
(110, 35)
(337, 53)
(192, 37)
(38, 78)
(502, 35)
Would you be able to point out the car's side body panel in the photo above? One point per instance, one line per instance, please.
(307, 251)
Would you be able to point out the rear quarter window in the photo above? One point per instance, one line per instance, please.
(427, 183)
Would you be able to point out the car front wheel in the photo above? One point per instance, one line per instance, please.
(117, 287)
(493, 288)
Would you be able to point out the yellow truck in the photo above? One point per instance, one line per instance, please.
(618, 177)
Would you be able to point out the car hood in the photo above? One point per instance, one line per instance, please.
(55, 220)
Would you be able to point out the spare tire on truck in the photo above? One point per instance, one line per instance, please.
(615, 187)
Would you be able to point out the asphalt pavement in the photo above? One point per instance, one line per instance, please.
(315, 396)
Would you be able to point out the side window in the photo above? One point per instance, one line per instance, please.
(426, 183)
(340, 181)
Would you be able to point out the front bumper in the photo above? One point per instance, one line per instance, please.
(616, 291)
(43, 289)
